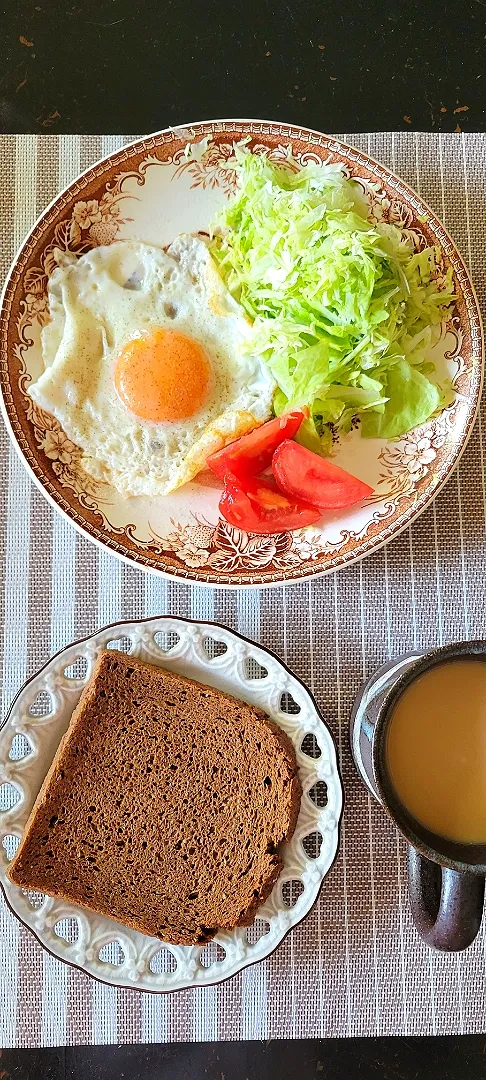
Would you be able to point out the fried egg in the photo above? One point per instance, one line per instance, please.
(147, 365)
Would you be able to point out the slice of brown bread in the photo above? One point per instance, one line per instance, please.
(165, 806)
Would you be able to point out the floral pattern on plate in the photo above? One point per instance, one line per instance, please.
(226, 548)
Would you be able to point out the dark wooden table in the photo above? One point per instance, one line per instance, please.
(125, 66)
(313, 1059)
(118, 66)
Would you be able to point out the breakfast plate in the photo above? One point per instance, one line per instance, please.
(219, 657)
(151, 191)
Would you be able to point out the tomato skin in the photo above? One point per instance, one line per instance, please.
(258, 506)
(252, 453)
(304, 475)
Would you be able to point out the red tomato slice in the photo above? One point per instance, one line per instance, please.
(304, 475)
(257, 506)
(252, 453)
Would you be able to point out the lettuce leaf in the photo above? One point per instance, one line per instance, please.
(344, 310)
(411, 400)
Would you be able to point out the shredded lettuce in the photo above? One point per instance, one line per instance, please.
(344, 310)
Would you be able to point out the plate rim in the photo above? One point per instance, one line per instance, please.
(338, 771)
(309, 573)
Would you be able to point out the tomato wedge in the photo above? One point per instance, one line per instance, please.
(304, 475)
(252, 453)
(259, 507)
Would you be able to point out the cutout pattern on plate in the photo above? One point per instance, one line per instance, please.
(9, 796)
(35, 899)
(212, 953)
(163, 962)
(41, 705)
(166, 640)
(258, 929)
(310, 746)
(254, 670)
(21, 748)
(10, 843)
(78, 669)
(122, 644)
(214, 648)
(312, 844)
(318, 794)
(112, 953)
(67, 929)
(288, 704)
(291, 890)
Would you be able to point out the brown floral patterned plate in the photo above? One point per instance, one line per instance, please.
(151, 191)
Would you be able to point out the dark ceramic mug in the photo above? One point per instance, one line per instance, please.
(445, 878)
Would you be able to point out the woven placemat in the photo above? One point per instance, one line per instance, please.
(355, 966)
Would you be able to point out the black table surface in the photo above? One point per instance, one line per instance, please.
(118, 66)
(446, 1058)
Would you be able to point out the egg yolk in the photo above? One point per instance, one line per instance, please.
(162, 375)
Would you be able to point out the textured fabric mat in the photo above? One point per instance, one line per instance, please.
(355, 966)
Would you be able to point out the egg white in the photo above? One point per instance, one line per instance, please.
(108, 297)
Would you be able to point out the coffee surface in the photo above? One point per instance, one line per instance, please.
(435, 750)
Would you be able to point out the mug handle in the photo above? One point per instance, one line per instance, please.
(447, 905)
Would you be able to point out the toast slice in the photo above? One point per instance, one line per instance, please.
(165, 806)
